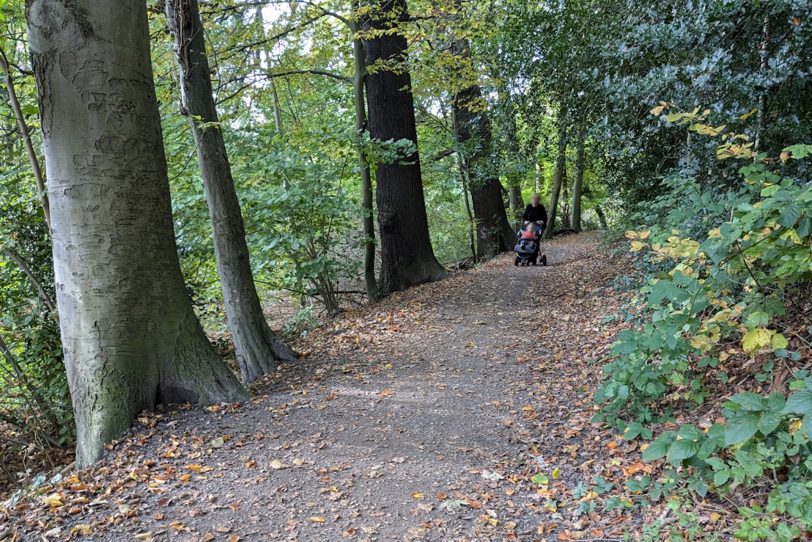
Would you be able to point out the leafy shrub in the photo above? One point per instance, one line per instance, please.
(708, 291)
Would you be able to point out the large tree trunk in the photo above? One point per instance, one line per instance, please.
(558, 174)
(257, 348)
(370, 281)
(406, 254)
(472, 130)
(578, 182)
(129, 334)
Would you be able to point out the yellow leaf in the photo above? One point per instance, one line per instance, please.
(778, 341)
(756, 339)
(794, 425)
(198, 468)
(81, 529)
(637, 246)
(417, 495)
(556, 473)
(54, 500)
(749, 114)
(277, 465)
(316, 519)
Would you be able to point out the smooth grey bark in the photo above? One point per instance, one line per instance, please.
(129, 334)
(578, 181)
(257, 348)
(359, 63)
(558, 174)
(25, 133)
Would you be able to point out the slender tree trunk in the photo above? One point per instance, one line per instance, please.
(564, 200)
(578, 182)
(370, 281)
(129, 334)
(762, 97)
(537, 180)
(406, 254)
(472, 130)
(14, 256)
(469, 213)
(256, 346)
(37, 399)
(516, 202)
(601, 217)
(558, 174)
(277, 109)
(25, 133)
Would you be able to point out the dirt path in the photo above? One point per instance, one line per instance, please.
(456, 411)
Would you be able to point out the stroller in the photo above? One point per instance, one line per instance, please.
(528, 250)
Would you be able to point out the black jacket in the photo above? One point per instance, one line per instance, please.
(534, 214)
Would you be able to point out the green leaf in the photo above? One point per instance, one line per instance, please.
(790, 216)
(740, 428)
(808, 425)
(799, 402)
(682, 449)
(749, 401)
(655, 450)
(720, 477)
(540, 479)
(758, 319)
(769, 421)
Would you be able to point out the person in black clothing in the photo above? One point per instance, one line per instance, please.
(535, 212)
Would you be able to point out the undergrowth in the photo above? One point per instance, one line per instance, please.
(715, 377)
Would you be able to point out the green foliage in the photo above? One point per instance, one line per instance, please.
(721, 268)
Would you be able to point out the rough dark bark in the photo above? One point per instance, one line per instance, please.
(558, 174)
(359, 64)
(578, 181)
(129, 334)
(257, 348)
(407, 258)
(472, 130)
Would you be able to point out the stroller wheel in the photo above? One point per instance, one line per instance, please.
(544, 260)
(516, 261)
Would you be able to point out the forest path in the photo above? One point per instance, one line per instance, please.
(426, 417)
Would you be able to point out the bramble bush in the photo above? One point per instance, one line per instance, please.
(708, 292)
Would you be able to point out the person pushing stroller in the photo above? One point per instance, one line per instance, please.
(527, 245)
(535, 213)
